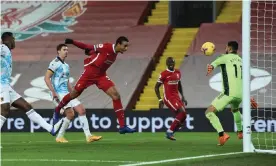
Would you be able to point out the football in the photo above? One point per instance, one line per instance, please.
(208, 48)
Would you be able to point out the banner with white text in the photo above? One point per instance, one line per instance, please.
(143, 121)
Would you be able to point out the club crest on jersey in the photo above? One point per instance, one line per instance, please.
(32, 18)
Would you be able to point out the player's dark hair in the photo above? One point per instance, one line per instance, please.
(234, 45)
(6, 34)
(170, 58)
(121, 39)
(60, 46)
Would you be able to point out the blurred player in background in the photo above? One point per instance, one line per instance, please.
(101, 57)
(170, 78)
(10, 97)
(231, 69)
(57, 80)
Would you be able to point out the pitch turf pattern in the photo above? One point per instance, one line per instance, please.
(40, 149)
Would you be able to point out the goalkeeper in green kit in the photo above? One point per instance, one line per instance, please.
(231, 70)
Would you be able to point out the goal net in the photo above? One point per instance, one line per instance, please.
(263, 75)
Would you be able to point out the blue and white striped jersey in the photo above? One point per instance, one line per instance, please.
(6, 65)
(61, 74)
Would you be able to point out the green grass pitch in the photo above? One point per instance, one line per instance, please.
(40, 149)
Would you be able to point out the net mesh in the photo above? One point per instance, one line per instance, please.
(263, 73)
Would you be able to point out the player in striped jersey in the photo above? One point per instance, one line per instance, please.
(9, 97)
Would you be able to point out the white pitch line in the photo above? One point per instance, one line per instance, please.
(181, 159)
(66, 160)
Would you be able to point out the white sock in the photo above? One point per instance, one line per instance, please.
(35, 117)
(65, 125)
(2, 120)
(85, 125)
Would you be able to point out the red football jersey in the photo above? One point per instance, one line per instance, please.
(103, 57)
(170, 80)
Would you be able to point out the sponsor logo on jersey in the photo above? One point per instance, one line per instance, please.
(29, 19)
(173, 82)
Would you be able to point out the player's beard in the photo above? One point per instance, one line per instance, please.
(226, 52)
(171, 68)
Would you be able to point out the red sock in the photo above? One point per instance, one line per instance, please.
(180, 117)
(118, 108)
(66, 99)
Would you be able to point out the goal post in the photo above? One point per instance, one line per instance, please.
(259, 60)
(246, 76)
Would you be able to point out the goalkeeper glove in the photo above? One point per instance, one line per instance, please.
(254, 104)
(69, 41)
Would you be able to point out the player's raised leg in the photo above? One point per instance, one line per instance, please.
(22, 104)
(65, 100)
(82, 83)
(85, 126)
(118, 108)
(218, 104)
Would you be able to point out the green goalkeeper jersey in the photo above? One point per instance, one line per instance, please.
(231, 71)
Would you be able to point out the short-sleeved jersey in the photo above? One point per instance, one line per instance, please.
(170, 81)
(231, 70)
(6, 65)
(61, 74)
(103, 57)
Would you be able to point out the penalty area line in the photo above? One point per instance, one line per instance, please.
(67, 160)
(181, 159)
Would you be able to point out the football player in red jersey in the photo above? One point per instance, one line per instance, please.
(101, 57)
(170, 78)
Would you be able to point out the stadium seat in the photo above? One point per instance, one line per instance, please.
(100, 22)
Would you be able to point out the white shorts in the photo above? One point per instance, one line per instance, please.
(8, 95)
(73, 103)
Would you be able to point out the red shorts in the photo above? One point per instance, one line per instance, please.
(174, 103)
(90, 77)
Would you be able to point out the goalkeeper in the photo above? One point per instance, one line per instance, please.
(231, 70)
